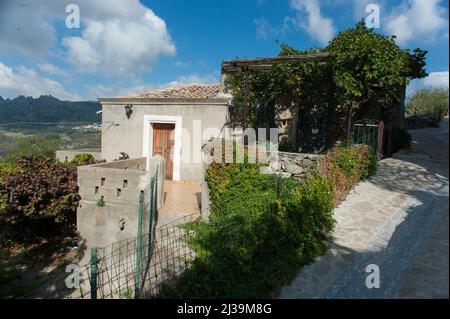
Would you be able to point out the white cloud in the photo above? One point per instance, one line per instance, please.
(423, 20)
(122, 38)
(316, 25)
(118, 39)
(437, 79)
(433, 80)
(51, 69)
(26, 81)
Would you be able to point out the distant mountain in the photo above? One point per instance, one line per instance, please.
(47, 108)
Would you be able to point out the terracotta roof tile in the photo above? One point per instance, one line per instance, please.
(192, 91)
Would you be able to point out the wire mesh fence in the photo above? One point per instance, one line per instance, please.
(112, 271)
(139, 266)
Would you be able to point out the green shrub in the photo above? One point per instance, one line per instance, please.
(262, 228)
(83, 159)
(286, 146)
(346, 166)
(41, 197)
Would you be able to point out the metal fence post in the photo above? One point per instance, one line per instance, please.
(93, 279)
(137, 270)
(380, 152)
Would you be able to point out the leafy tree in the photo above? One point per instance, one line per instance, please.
(363, 65)
(428, 100)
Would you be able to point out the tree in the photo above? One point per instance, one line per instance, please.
(366, 63)
(363, 65)
(428, 100)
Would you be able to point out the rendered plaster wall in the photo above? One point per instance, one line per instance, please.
(120, 185)
(123, 134)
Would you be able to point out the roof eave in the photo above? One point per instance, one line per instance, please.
(140, 100)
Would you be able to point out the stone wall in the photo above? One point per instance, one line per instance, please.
(288, 164)
(282, 163)
(291, 164)
(119, 184)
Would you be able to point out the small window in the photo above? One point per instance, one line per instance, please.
(96, 189)
(119, 192)
(102, 181)
(125, 183)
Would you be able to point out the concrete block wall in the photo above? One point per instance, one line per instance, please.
(119, 184)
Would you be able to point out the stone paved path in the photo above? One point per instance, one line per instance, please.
(181, 198)
(397, 220)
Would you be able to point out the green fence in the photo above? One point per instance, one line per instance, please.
(146, 233)
(139, 266)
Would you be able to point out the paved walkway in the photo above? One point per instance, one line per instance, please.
(181, 198)
(397, 220)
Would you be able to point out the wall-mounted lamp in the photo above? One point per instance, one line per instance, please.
(128, 110)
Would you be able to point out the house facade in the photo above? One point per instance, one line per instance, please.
(173, 123)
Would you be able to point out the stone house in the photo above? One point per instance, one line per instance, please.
(173, 123)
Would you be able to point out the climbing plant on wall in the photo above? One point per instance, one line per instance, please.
(362, 65)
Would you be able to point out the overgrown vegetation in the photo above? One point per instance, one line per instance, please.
(38, 197)
(364, 67)
(262, 228)
(345, 167)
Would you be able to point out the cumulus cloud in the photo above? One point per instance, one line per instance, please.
(418, 20)
(26, 81)
(438, 79)
(310, 19)
(118, 40)
(122, 38)
(51, 69)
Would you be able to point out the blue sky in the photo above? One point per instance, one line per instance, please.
(130, 46)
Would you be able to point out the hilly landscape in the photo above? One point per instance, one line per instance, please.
(47, 108)
(39, 126)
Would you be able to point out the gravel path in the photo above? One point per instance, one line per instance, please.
(397, 220)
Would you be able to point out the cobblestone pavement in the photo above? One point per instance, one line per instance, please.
(397, 220)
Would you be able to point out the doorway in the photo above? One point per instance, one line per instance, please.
(163, 144)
